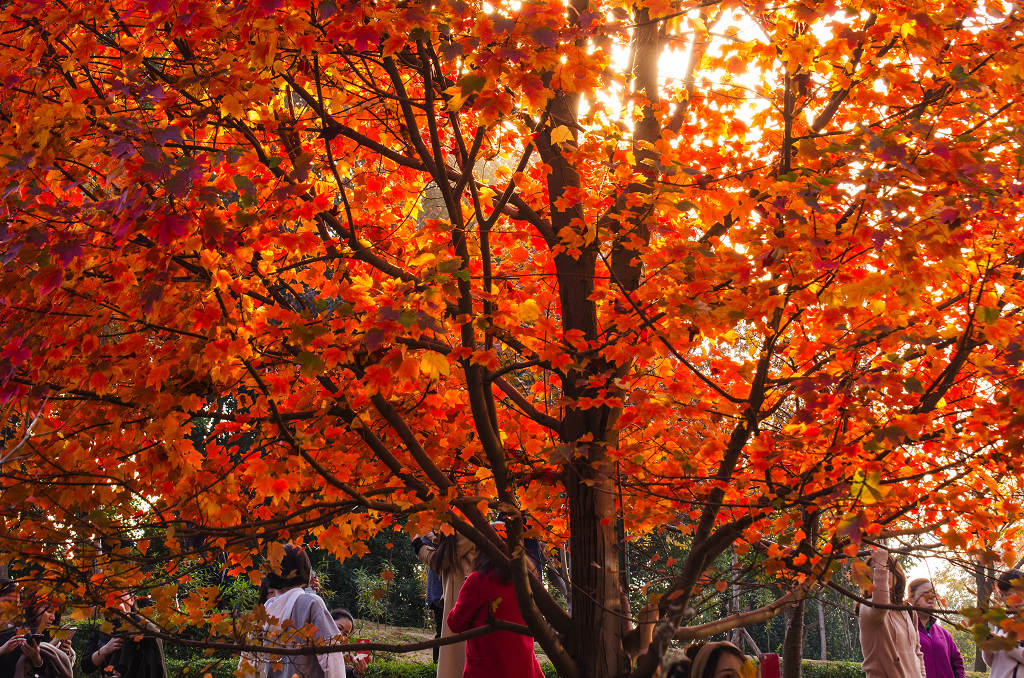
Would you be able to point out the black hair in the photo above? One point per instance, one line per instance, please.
(32, 615)
(294, 569)
(898, 590)
(1006, 580)
(342, 613)
(446, 555)
(899, 583)
(681, 668)
(264, 591)
(483, 564)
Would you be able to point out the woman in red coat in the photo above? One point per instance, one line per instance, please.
(501, 654)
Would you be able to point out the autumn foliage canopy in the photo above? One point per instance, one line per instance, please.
(280, 270)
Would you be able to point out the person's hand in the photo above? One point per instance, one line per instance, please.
(879, 557)
(12, 644)
(359, 662)
(65, 645)
(111, 646)
(31, 651)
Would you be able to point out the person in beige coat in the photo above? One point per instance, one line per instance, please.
(889, 638)
(451, 558)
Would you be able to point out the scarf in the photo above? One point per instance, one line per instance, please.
(56, 664)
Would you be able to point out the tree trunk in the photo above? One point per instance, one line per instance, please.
(821, 630)
(793, 645)
(983, 577)
(735, 636)
(595, 638)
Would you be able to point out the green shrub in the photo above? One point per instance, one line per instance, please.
(198, 667)
(810, 668)
(397, 668)
(401, 668)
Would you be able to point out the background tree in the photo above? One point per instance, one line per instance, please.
(744, 261)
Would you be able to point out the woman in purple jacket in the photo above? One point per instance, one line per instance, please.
(941, 656)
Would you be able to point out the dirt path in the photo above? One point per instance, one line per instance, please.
(382, 633)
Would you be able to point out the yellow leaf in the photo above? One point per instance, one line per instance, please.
(807, 148)
(868, 487)
(456, 97)
(486, 195)
(528, 311)
(231, 106)
(434, 365)
(423, 259)
(561, 135)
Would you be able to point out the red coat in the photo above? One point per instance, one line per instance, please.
(502, 654)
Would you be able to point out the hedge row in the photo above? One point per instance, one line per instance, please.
(811, 668)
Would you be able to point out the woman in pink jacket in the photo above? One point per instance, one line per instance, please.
(889, 638)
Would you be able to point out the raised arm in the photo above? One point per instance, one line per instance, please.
(880, 577)
(424, 547)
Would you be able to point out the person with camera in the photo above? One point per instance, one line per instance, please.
(126, 653)
(27, 649)
(45, 655)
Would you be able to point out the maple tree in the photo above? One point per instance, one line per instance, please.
(748, 268)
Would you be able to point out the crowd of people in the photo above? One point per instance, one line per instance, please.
(33, 644)
(31, 650)
(899, 633)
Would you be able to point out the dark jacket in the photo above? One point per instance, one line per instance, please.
(10, 660)
(139, 657)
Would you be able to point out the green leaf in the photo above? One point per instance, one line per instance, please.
(449, 266)
(913, 385)
(472, 83)
(988, 314)
(311, 363)
(244, 184)
(407, 318)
